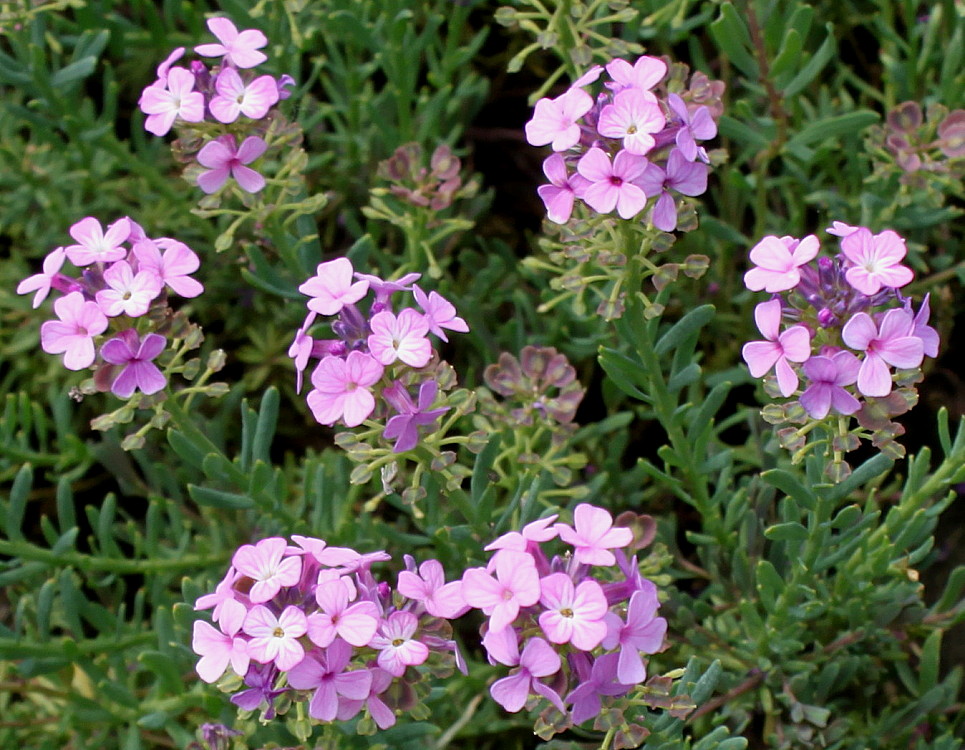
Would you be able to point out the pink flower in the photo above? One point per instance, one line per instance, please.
(613, 184)
(778, 260)
(138, 372)
(927, 334)
(331, 288)
(73, 335)
(319, 551)
(840, 229)
(538, 659)
(533, 534)
(828, 376)
(429, 586)
(224, 599)
(165, 66)
(594, 535)
(894, 343)
(555, 120)
(42, 282)
(275, 639)
(265, 563)
(96, 245)
(515, 585)
(643, 632)
(239, 49)
(326, 673)
(643, 75)
(574, 614)
(400, 338)
(634, 116)
(234, 97)
(396, 646)
(176, 98)
(695, 126)
(875, 260)
(342, 388)
(687, 178)
(563, 189)
(172, 266)
(218, 648)
(222, 158)
(128, 293)
(793, 345)
(355, 624)
(439, 313)
(382, 715)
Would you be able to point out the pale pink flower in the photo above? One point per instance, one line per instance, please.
(875, 260)
(532, 535)
(396, 646)
(594, 535)
(219, 648)
(559, 195)
(94, 244)
(128, 293)
(266, 564)
(515, 585)
(891, 343)
(778, 260)
(224, 599)
(73, 335)
(439, 313)
(555, 121)
(401, 337)
(828, 375)
(163, 104)
(326, 673)
(42, 282)
(239, 48)
(319, 551)
(538, 659)
(634, 116)
(429, 586)
(165, 66)
(779, 349)
(223, 159)
(342, 388)
(235, 98)
(613, 184)
(643, 75)
(275, 639)
(642, 632)
(331, 288)
(574, 614)
(840, 229)
(172, 266)
(135, 358)
(355, 623)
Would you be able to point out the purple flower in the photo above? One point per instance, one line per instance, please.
(687, 178)
(325, 671)
(893, 343)
(218, 648)
(601, 681)
(538, 659)
(613, 185)
(383, 716)
(793, 345)
(223, 159)
(429, 587)
(642, 632)
(172, 266)
(828, 376)
(260, 681)
(699, 125)
(927, 334)
(563, 189)
(139, 371)
(355, 624)
(404, 426)
(439, 313)
(41, 283)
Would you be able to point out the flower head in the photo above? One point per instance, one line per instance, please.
(875, 260)
(275, 639)
(332, 287)
(554, 121)
(176, 98)
(128, 293)
(239, 48)
(235, 98)
(559, 195)
(828, 375)
(73, 334)
(401, 337)
(634, 116)
(41, 283)
(94, 244)
(223, 159)
(613, 184)
(778, 260)
(594, 535)
(135, 358)
(515, 585)
(891, 343)
(574, 614)
(268, 566)
(342, 388)
(396, 645)
(793, 345)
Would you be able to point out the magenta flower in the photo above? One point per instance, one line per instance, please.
(42, 282)
(239, 48)
(138, 370)
(793, 345)
(429, 587)
(532, 535)
(261, 683)
(602, 681)
(642, 632)
(634, 116)
(401, 337)
(331, 288)
(128, 293)
(404, 426)
(96, 245)
(235, 98)
(439, 313)
(515, 585)
(778, 260)
(218, 648)
(876, 260)
(828, 376)
(613, 184)
(594, 535)
(342, 389)
(172, 266)
(554, 121)
(927, 334)
(266, 564)
(695, 126)
(73, 335)
(319, 551)
(355, 624)
(643, 75)
(563, 189)
(326, 673)
(274, 640)
(163, 104)
(538, 659)
(396, 646)
(894, 343)
(687, 178)
(574, 614)
(223, 159)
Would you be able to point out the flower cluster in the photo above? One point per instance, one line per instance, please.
(309, 621)
(218, 109)
(112, 311)
(381, 359)
(572, 627)
(627, 147)
(842, 326)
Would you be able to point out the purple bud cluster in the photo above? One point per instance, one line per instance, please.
(379, 359)
(218, 108)
(935, 145)
(114, 310)
(627, 147)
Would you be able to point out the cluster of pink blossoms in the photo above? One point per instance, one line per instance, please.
(625, 148)
(379, 357)
(840, 323)
(103, 314)
(310, 621)
(230, 96)
(571, 627)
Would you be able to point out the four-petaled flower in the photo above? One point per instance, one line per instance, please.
(538, 659)
(563, 189)
(342, 388)
(235, 98)
(176, 97)
(223, 159)
(828, 375)
(554, 121)
(574, 614)
(266, 564)
(128, 293)
(685, 177)
(355, 623)
(218, 648)
(613, 184)
(876, 260)
(238, 48)
(694, 126)
(594, 535)
(325, 672)
(778, 260)
(400, 337)
(396, 646)
(275, 639)
(891, 343)
(331, 288)
(793, 345)
(642, 632)
(404, 426)
(515, 585)
(135, 358)
(633, 116)
(73, 335)
(94, 244)
(42, 282)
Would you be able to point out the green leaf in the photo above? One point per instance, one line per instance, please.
(870, 469)
(267, 422)
(813, 66)
(827, 128)
(734, 40)
(790, 531)
(626, 373)
(219, 499)
(929, 662)
(770, 585)
(789, 55)
(684, 328)
(73, 72)
(790, 485)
